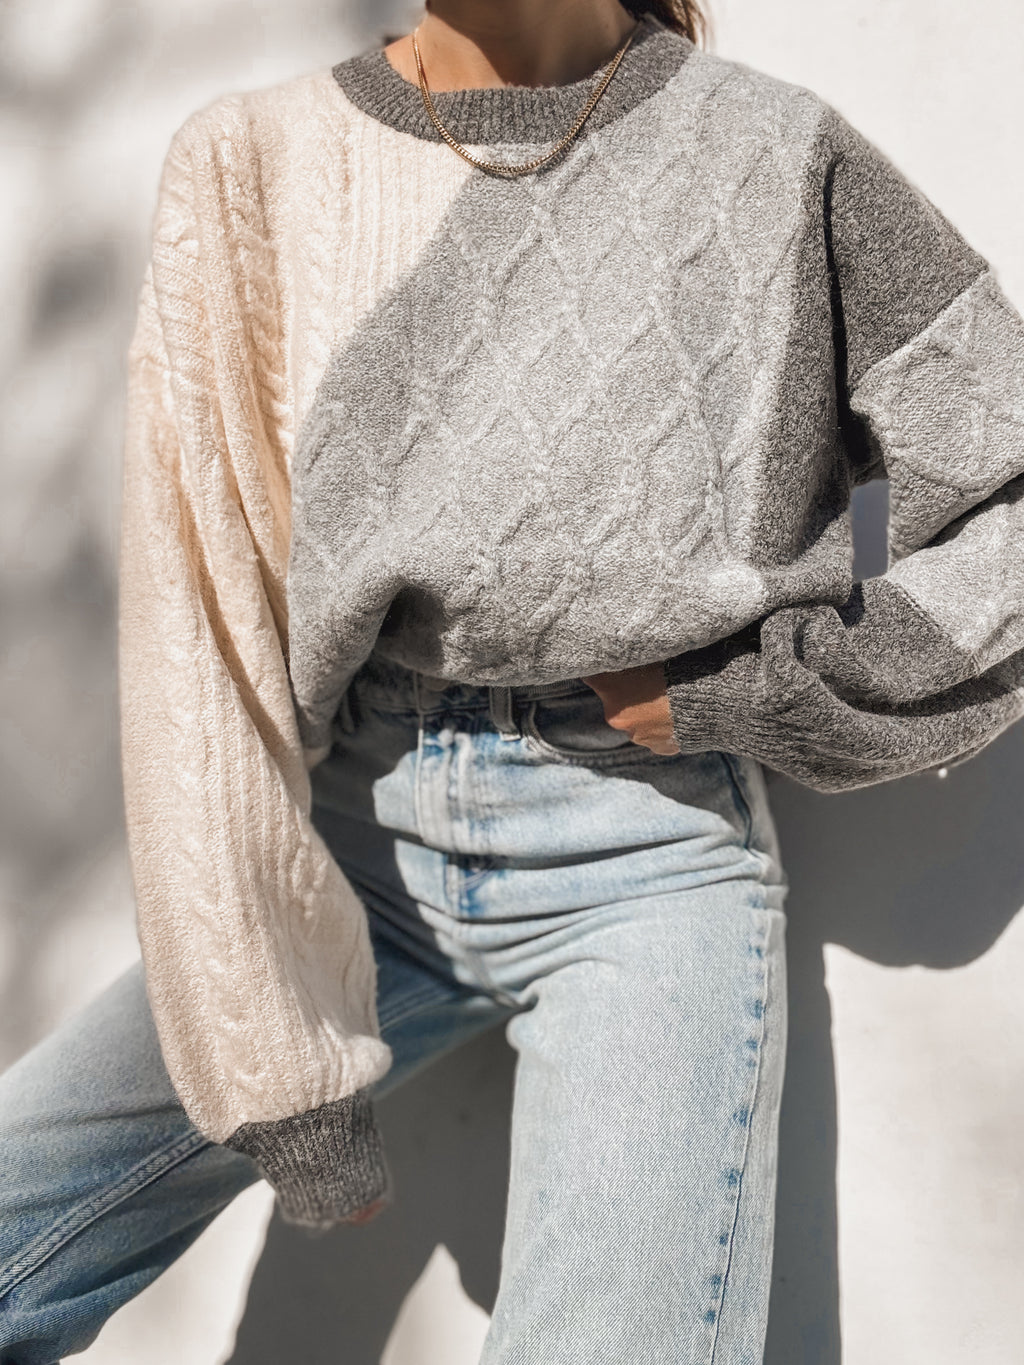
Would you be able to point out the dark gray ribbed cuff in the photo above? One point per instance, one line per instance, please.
(324, 1165)
(706, 686)
(831, 732)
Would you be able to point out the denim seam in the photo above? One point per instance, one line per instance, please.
(755, 1090)
(82, 1215)
(475, 959)
(410, 1006)
(739, 797)
(461, 933)
(417, 776)
(461, 928)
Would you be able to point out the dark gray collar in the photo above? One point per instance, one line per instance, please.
(514, 113)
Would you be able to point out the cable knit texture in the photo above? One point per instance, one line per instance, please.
(514, 431)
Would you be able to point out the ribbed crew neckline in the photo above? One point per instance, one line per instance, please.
(515, 113)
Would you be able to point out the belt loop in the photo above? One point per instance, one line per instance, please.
(500, 705)
(417, 694)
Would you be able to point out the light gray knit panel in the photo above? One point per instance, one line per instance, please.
(605, 417)
(534, 458)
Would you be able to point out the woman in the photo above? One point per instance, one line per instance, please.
(496, 399)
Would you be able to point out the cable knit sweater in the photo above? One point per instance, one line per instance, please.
(514, 430)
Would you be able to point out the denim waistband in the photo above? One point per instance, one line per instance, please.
(391, 684)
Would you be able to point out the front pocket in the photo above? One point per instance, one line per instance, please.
(574, 728)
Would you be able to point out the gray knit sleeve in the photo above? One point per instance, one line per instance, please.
(920, 667)
(324, 1165)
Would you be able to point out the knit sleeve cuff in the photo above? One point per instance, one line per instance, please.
(840, 698)
(325, 1165)
(709, 688)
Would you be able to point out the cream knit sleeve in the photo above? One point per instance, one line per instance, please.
(258, 963)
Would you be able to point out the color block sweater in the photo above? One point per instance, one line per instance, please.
(514, 430)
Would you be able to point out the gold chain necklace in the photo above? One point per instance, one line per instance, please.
(501, 168)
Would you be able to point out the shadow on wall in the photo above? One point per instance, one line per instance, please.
(891, 872)
(321, 1299)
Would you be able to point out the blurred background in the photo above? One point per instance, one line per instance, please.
(900, 1227)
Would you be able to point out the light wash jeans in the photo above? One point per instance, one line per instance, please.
(523, 863)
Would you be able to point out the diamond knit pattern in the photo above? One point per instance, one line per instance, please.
(520, 466)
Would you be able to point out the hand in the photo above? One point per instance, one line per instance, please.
(636, 700)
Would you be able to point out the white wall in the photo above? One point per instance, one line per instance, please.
(900, 1189)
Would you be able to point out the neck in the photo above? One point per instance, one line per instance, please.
(470, 44)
